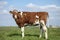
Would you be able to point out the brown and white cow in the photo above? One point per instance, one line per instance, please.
(23, 18)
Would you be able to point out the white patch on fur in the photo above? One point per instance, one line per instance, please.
(15, 16)
(21, 13)
(22, 30)
(42, 21)
(37, 20)
(37, 16)
(44, 26)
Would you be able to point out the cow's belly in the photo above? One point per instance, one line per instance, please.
(35, 23)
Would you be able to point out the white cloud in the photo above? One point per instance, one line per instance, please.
(12, 7)
(5, 11)
(1, 7)
(3, 3)
(48, 6)
(31, 5)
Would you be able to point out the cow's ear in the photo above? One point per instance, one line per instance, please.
(10, 12)
(19, 12)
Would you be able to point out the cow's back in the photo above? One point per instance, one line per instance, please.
(29, 17)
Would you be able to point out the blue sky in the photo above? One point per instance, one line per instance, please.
(51, 6)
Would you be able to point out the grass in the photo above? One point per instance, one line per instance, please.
(31, 33)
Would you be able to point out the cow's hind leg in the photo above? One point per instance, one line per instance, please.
(22, 31)
(44, 28)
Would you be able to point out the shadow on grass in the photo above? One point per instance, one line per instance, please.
(10, 35)
(35, 35)
(25, 35)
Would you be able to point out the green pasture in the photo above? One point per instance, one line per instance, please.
(31, 33)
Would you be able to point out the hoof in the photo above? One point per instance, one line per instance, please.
(46, 38)
(39, 36)
(22, 37)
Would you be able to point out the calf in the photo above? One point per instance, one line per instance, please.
(23, 18)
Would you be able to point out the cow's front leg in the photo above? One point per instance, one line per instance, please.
(41, 33)
(46, 35)
(22, 31)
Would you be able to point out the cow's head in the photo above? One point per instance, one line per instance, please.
(14, 13)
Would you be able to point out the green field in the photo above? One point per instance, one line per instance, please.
(31, 33)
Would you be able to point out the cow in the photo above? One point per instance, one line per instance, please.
(32, 18)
